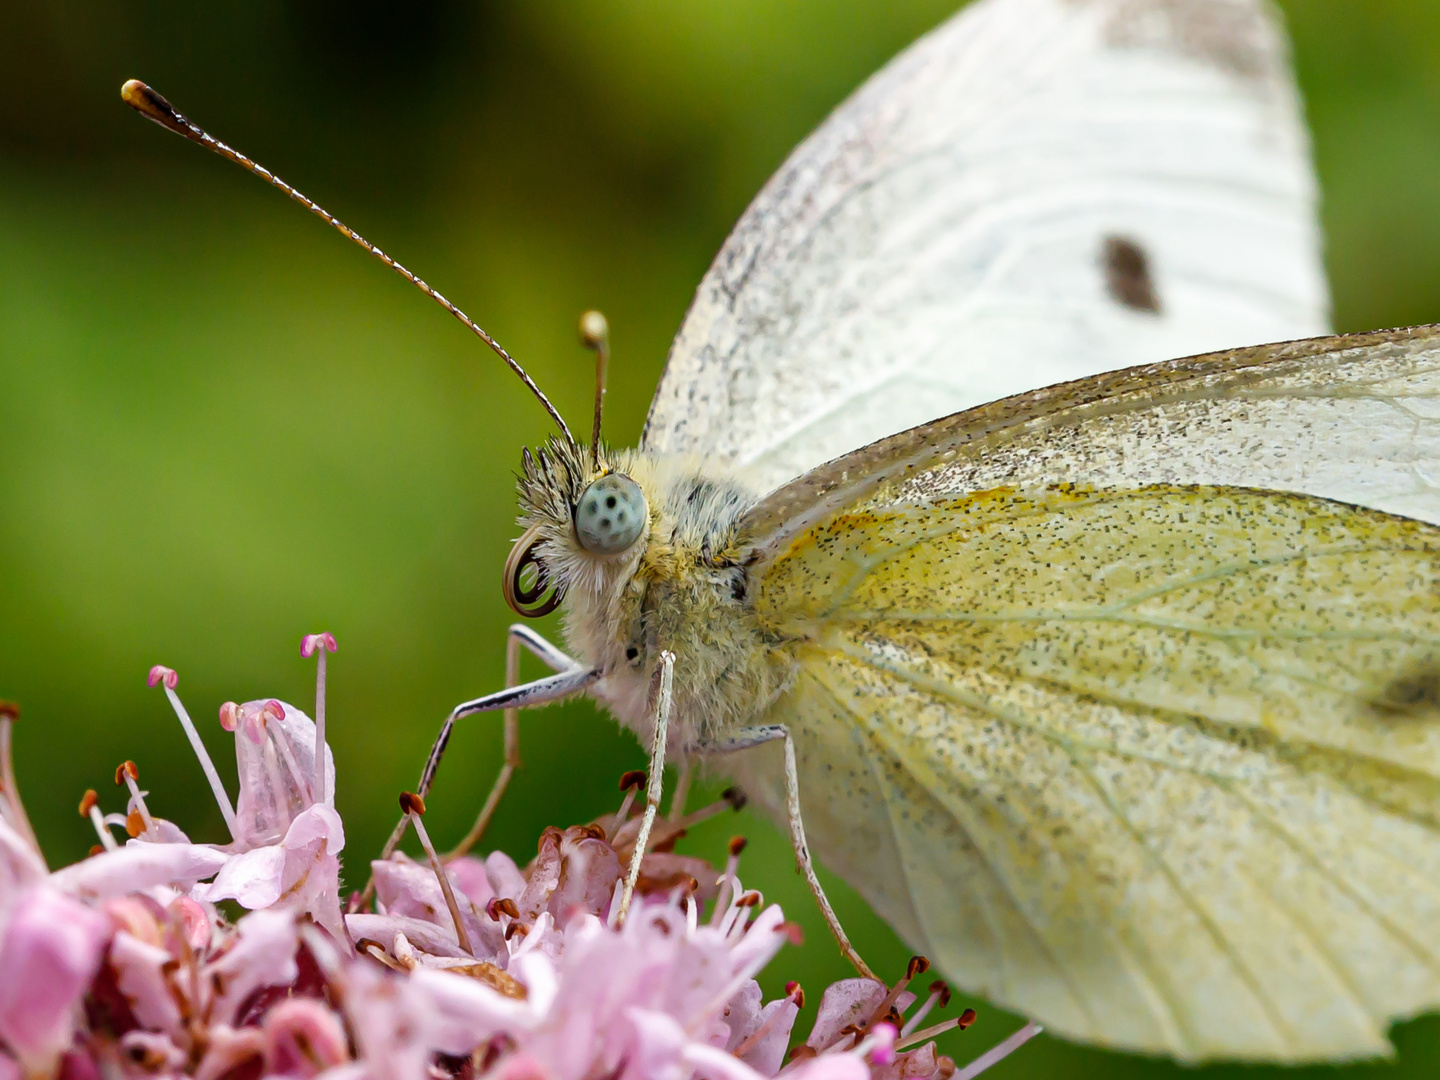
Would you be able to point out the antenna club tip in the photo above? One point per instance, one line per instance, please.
(152, 105)
(594, 330)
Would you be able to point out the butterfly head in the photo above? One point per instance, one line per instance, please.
(586, 522)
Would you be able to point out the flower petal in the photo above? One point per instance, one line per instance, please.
(138, 866)
(51, 950)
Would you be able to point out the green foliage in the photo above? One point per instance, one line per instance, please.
(221, 427)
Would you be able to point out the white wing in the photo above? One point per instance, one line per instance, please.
(1152, 761)
(1038, 190)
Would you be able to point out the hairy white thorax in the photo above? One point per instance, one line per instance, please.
(681, 587)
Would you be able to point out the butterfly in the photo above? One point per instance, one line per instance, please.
(1118, 699)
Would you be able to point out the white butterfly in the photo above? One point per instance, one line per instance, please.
(1119, 699)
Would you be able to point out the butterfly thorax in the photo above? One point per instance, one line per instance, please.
(680, 587)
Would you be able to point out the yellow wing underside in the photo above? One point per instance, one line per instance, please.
(1158, 767)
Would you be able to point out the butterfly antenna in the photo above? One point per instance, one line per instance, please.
(153, 106)
(595, 336)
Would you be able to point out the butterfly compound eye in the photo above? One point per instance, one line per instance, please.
(610, 515)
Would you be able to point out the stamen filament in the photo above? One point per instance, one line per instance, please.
(1000, 1052)
(320, 644)
(128, 775)
(319, 786)
(962, 1021)
(414, 806)
(729, 883)
(90, 807)
(918, 966)
(168, 679)
(631, 783)
(939, 994)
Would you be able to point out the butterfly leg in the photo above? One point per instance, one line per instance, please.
(744, 739)
(661, 689)
(571, 680)
(556, 660)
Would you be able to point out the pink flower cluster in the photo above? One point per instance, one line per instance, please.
(123, 966)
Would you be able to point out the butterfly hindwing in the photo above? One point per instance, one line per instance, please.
(1159, 766)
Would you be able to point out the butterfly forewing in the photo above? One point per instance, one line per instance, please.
(1038, 190)
(1157, 765)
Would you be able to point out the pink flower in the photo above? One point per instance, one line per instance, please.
(51, 950)
(121, 964)
(302, 871)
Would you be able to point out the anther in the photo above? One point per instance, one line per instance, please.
(939, 997)
(918, 966)
(748, 899)
(128, 775)
(633, 780)
(318, 645)
(796, 993)
(413, 805)
(89, 801)
(163, 676)
(96, 849)
(324, 641)
(737, 845)
(501, 905)
(9, 711)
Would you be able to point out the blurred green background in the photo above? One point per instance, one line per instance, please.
(222, 427)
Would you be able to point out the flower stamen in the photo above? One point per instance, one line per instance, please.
(728, 879)
(414, 806)
(939, 995)
(90, 807)
(128, 774)
(963, 1021)
(630, 783)
(918, 965)
(999, 1052)
(166, 677)
(318, 645)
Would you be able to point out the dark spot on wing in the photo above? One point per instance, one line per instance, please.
(1411, 695)
(1127, 274)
